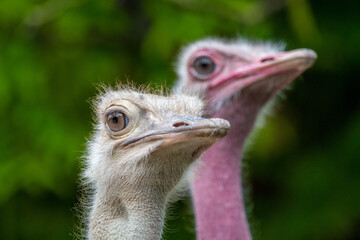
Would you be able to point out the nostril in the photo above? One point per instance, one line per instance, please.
(267, 59)
(179, 124)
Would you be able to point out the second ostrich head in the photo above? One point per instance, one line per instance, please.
(221, 70)
(237, 78)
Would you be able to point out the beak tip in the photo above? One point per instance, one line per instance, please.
(310, 55)
(307, 58)
(221, 123)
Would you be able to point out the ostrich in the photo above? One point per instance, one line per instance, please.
(237, 79)
(141, 147)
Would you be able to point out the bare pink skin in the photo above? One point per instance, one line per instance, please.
(217, 191)
(246, 85)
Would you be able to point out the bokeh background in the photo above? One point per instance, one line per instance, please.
(302, 169)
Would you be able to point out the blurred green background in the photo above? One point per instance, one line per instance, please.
(302, 169)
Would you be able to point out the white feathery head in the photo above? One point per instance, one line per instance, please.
(143, 140)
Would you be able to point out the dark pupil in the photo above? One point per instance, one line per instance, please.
(117, 121)
(204, 65)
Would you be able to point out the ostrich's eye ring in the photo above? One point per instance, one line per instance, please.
(116, 121)
(204, 65)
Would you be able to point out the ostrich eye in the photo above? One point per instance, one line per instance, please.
(204, 65)
(117, 121)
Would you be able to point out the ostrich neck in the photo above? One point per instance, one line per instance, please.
(217, 189)
(140, 218)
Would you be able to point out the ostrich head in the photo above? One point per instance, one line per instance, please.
(141, 147)
(251, 71)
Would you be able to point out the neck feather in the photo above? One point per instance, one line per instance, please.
(133, 206)
(137, 217)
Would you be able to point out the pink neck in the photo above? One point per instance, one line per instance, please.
(217, 189)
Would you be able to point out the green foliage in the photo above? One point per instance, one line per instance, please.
(303, 165)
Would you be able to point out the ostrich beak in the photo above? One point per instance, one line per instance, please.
(183, 130)
(288, 64)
